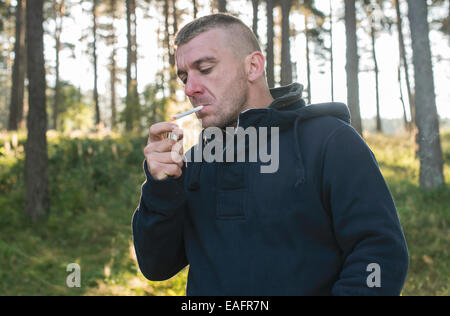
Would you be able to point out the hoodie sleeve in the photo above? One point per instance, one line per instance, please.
(158, 227)
(367, 229)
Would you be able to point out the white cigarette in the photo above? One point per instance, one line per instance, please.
(176, 117)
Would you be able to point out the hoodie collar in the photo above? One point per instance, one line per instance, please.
(286, 111)
(279, 112)
(285, 96)
(288, 107)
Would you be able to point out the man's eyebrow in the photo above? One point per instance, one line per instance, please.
(197, 63)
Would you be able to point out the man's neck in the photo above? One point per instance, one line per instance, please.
(259, 99)
(264, 100)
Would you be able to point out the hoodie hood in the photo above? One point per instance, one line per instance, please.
(287, 111)
(289, 108)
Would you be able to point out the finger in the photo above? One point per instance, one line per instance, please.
(177, 158)
(157, 130)
(178, 147)
(161, 171)
(167, 158)
(161, 146)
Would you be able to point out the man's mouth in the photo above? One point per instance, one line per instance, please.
(201, 113)
(205, 105)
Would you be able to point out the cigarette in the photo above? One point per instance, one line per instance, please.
(176, 117)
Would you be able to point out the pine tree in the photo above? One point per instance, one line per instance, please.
(352, 67)
(430, 151)
(19, 69)
(37, 201)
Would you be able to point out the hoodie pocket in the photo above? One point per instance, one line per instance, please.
(231, 204)
(232, 191)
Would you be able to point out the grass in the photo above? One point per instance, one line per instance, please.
(425, 216)
(95, 188)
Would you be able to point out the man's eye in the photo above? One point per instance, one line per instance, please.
(205, 71)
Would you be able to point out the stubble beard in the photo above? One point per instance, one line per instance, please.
(235, 103)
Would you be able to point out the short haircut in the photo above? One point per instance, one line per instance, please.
(242, 38)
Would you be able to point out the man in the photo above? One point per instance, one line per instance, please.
(324, 223)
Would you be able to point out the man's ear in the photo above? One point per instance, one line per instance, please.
(254, 66)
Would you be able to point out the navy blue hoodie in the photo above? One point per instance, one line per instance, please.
(323, 224)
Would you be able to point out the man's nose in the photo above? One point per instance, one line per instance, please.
(193, 87)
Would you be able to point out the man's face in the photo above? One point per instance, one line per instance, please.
(213, 77)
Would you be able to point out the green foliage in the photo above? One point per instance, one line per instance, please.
(131, 115)
(6, 12)
(152, 110)
(155, 102)
(442, 20)
(73, 112)
(95, 188)
(94, 185)
(425, 216)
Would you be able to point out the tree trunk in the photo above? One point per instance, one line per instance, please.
(255, 5)
(194, 5)
(113, 64)
(401, 44)
(173, 74)
(58, 8)
(308, 61)
(448, 23)
(132, 99)
(402, 99)
(57, 94)
(331, 53)
(171, 53)
(222, 5)
(94, 45)
(286, 64)
(377, 86)
(269, 47)
(19, 69)
(352, 66)
(113, 80)
(175, 17)
(167, 33)
(37, 200)
(430, 151)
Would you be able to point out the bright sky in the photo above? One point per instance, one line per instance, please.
(79, 70)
